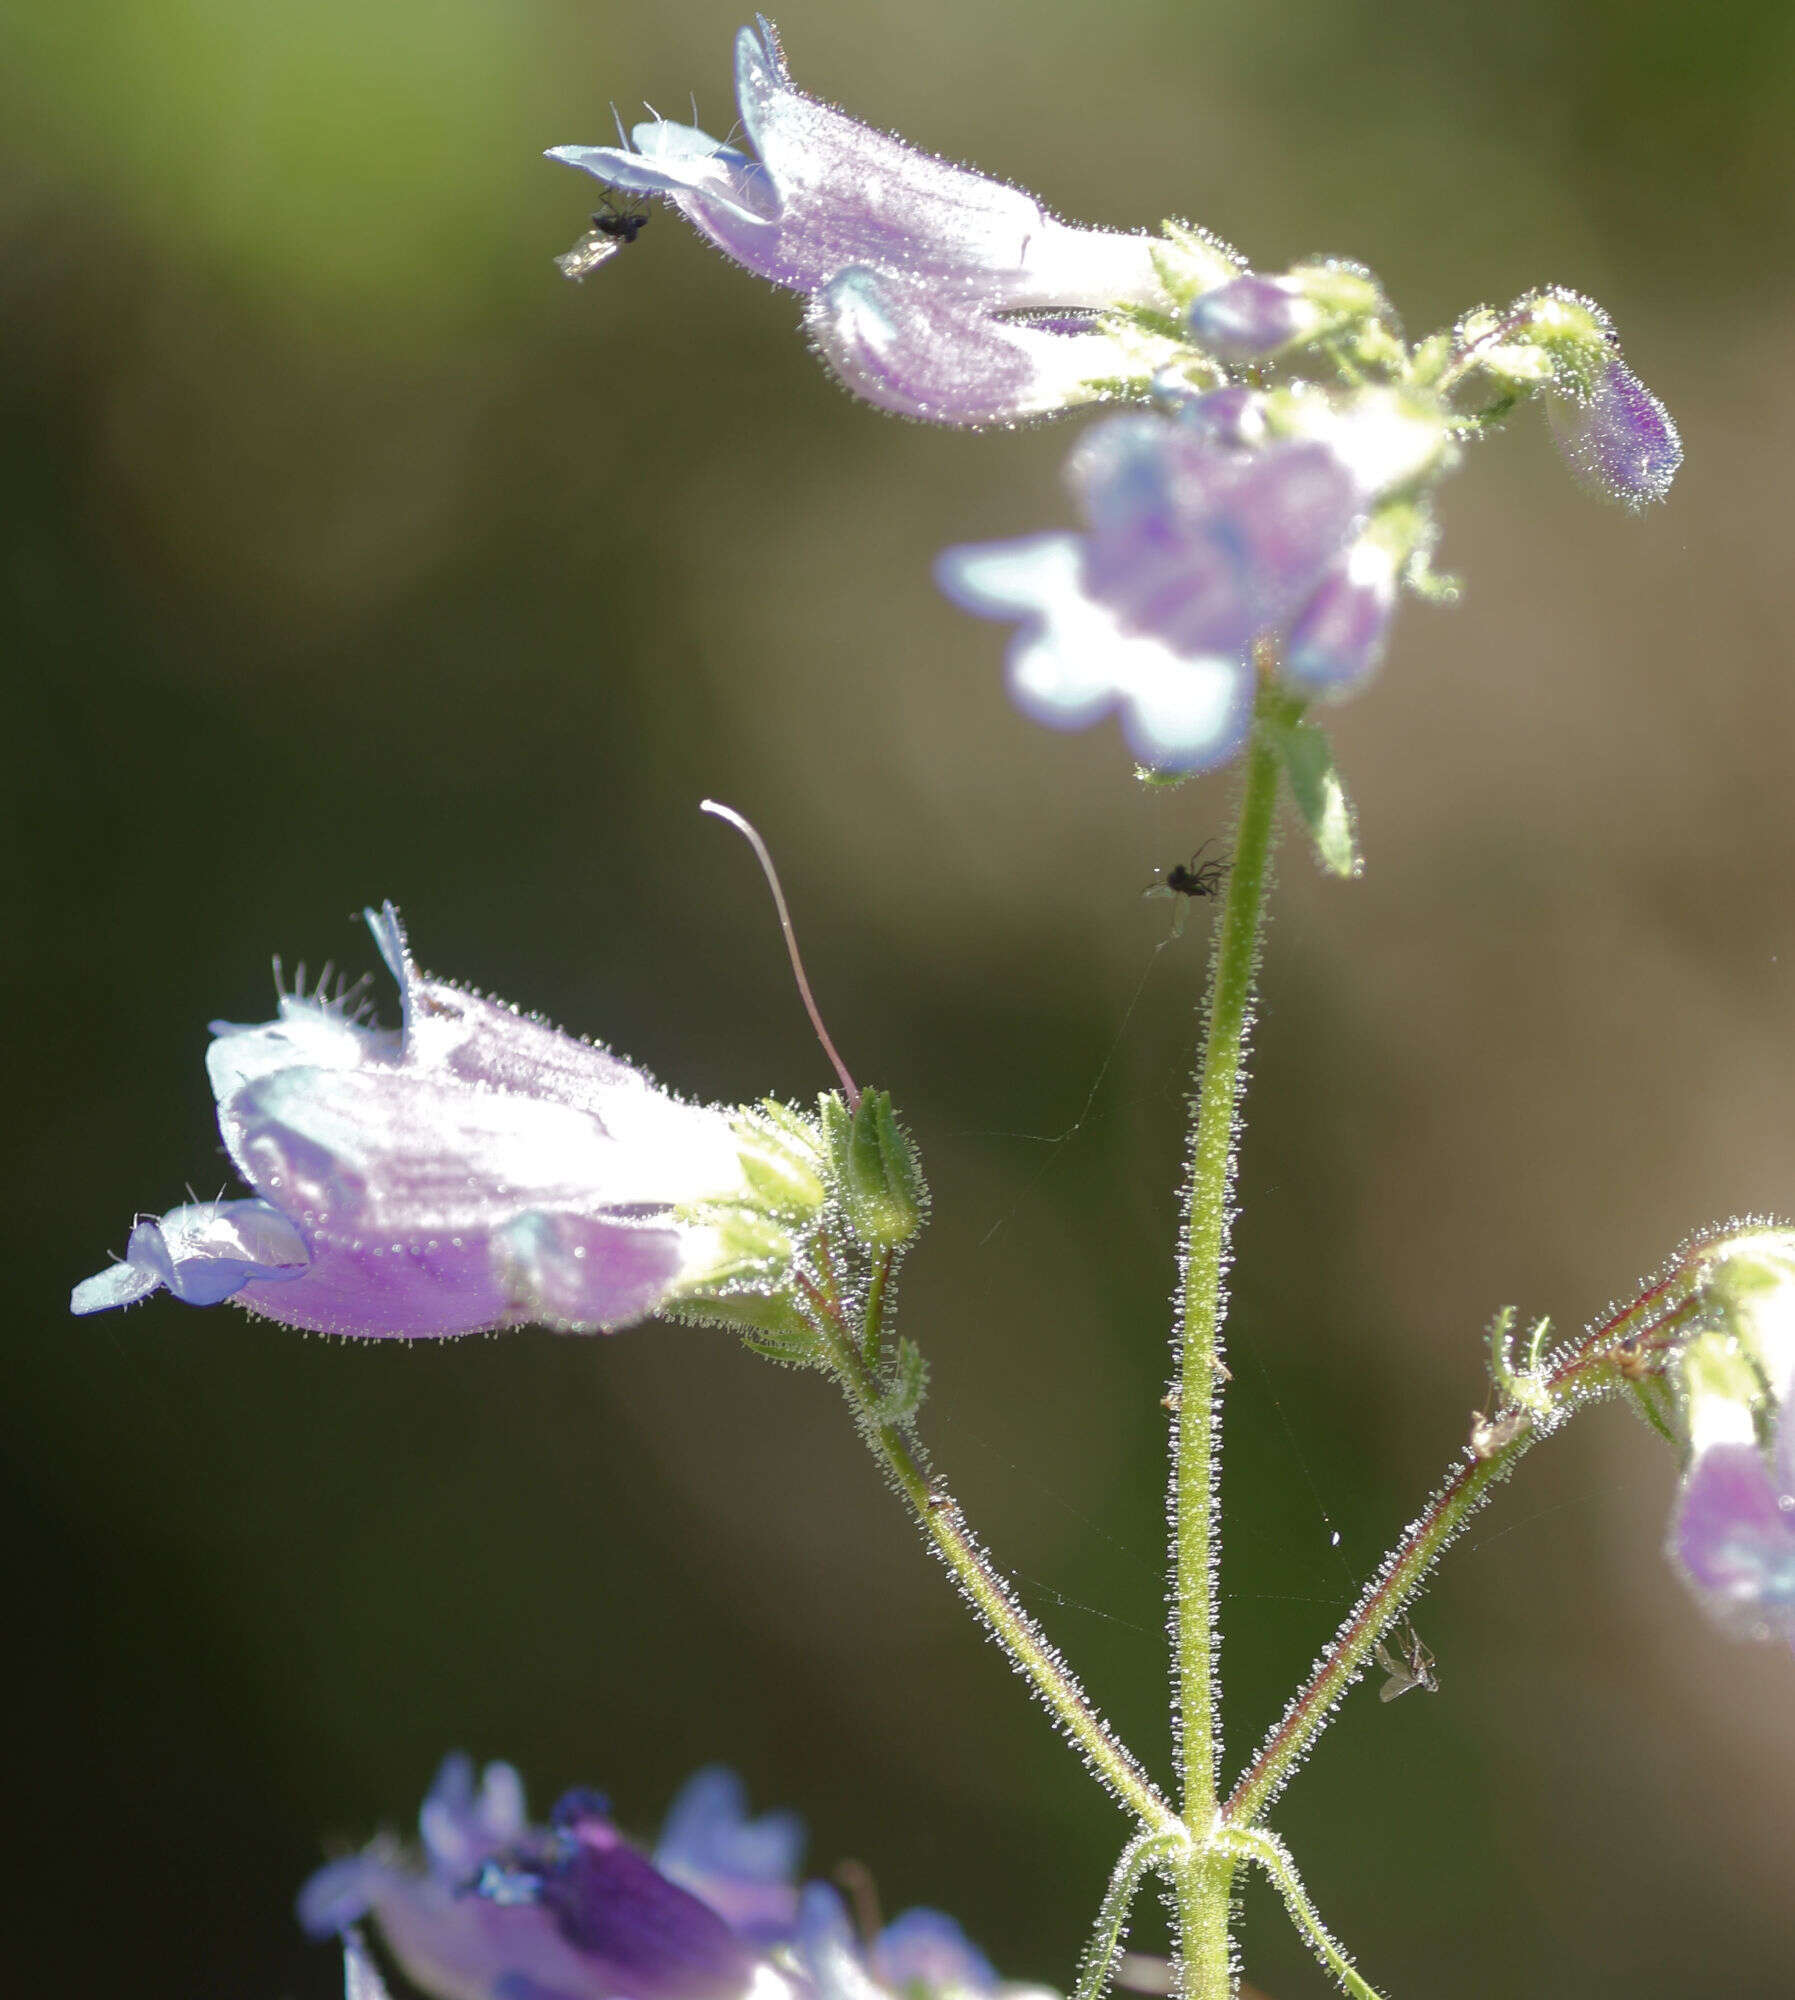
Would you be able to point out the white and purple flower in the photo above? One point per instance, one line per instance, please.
(493, 1908)
(1733, 1532)
(474, 1168)
(931, 290)
(1206, 532)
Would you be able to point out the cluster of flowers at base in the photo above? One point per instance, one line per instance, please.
(1274, 522)
(474, 1168)
(1733, 1534)
(493, 1908)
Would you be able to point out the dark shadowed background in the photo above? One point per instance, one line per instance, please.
(350, 553)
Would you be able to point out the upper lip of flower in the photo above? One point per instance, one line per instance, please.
(827, 192)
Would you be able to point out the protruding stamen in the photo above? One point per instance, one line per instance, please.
(849, 1087)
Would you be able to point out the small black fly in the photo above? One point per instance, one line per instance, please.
(621, 220)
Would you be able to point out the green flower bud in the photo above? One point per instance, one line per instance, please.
(877, 1176)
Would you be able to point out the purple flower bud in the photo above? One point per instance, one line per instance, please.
(1616, 436)
(475, 1169)
(1250, 318)
(1194, 550)
(935, 251)
(1337, 640)
(1734, 1533)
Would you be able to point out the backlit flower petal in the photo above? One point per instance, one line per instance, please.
(744, 1868)
(1072, 661)
(202, 1254)
(912, 347)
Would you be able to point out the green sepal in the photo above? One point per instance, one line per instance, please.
(1320, 797)
(780, 1158)
(905, 1385)
(768, 1323)
(1191, 261)
(877, 1177)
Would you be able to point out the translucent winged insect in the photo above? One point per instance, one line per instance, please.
(621, 220)
(1411, 1666)
(1192, 881)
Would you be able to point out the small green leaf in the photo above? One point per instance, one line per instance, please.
(1321, 798)
(905, 1385)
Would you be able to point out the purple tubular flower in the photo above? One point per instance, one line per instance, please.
(501, 1910)
(1249, 318)
(474, 1169)
(896, 251)
(1195, 549)
(1616, 436)
(1734, 1533)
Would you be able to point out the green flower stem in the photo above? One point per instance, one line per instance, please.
(1209, 1189)
(872, 1337)
(1144, 1853)
(1203, 1899)
(1274, 1857)
(938, 1515)
(1631, 1344)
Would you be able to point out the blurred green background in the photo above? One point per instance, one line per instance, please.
(351, 553)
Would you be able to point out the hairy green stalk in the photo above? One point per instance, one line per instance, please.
(1204, 1879)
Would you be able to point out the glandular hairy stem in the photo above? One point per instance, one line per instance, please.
(1208, 1217)
(1635, 1343)
(1145, 1853)
(944, 1526)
